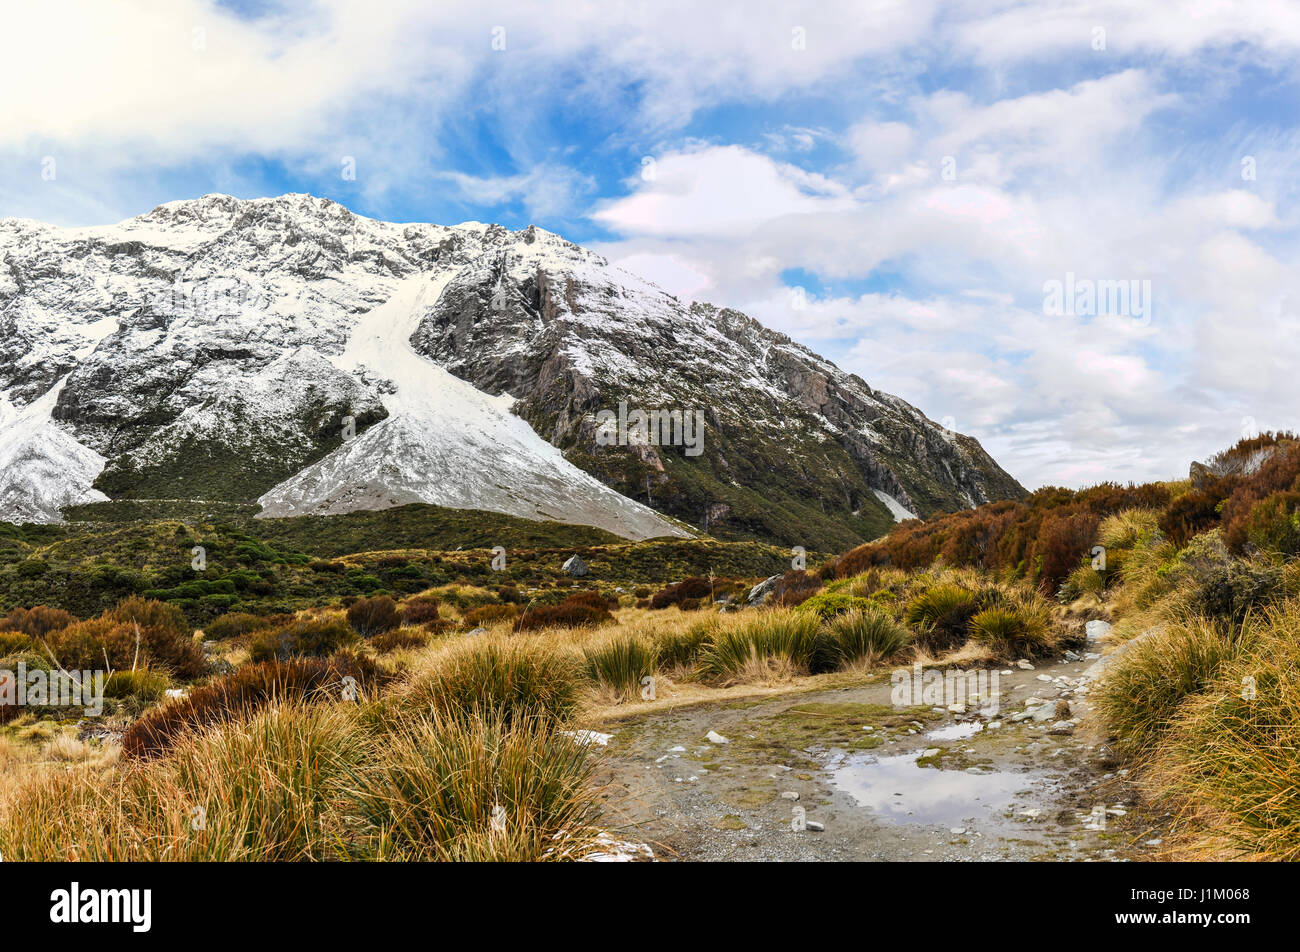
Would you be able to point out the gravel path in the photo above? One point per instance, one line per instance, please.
(886, 782)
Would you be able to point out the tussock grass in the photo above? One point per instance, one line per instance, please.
(861, 639)
(144, 684)
(1019, 627)
(1127, 528)
(941, 615)
(502, 676)
(255, 790)
(774, 645)
(1232, 764)
(617, 665)
(1143, 690)
(299, 782)
(432, 793)
(678, 650)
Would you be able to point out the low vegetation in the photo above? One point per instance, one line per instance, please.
(317, 702)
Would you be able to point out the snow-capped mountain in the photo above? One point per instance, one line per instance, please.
(289, 351)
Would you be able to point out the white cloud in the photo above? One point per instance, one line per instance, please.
(1088, 176)
(719, 191)
(1046, 183)
(545, 191)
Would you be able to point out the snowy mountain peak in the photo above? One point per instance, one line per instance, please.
(220, 348)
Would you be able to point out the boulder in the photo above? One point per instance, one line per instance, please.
(761, 592)
(575, 566)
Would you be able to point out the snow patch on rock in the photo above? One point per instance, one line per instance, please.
(42, 467)
(447, 443)
(896, 508)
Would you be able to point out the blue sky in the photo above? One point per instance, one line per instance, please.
(893, 184)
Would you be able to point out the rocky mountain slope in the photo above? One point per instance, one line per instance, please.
(289, 351)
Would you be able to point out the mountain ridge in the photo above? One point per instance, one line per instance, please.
(200, 349)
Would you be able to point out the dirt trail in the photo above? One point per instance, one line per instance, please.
(885, 782)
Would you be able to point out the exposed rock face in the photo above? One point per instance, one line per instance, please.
(211, 349)
(1229, 464)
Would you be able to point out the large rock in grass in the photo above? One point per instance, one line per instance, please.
(575, 566)
(761, 592)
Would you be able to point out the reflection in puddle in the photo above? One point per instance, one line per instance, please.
(957, 731)
(897, 789)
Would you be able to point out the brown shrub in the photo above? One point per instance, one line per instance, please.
(795, 587)
(579, 609)
(508, 593)
(236, 695)
(37, 621)
(1191, 514)
(399, 638)
(372, 616)
(420, 610)
(688, 589)
(1280, 473)
(488, 614)
(164, 639)
(1046, 534)
(1063, 539)
(238, 624)
(1273, 524)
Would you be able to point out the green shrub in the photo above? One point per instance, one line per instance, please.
(312, 637)
(32, 568)
(1231, 590)
(827, 605)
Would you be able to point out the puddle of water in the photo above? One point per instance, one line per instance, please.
(956, 731)
(896, 789)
